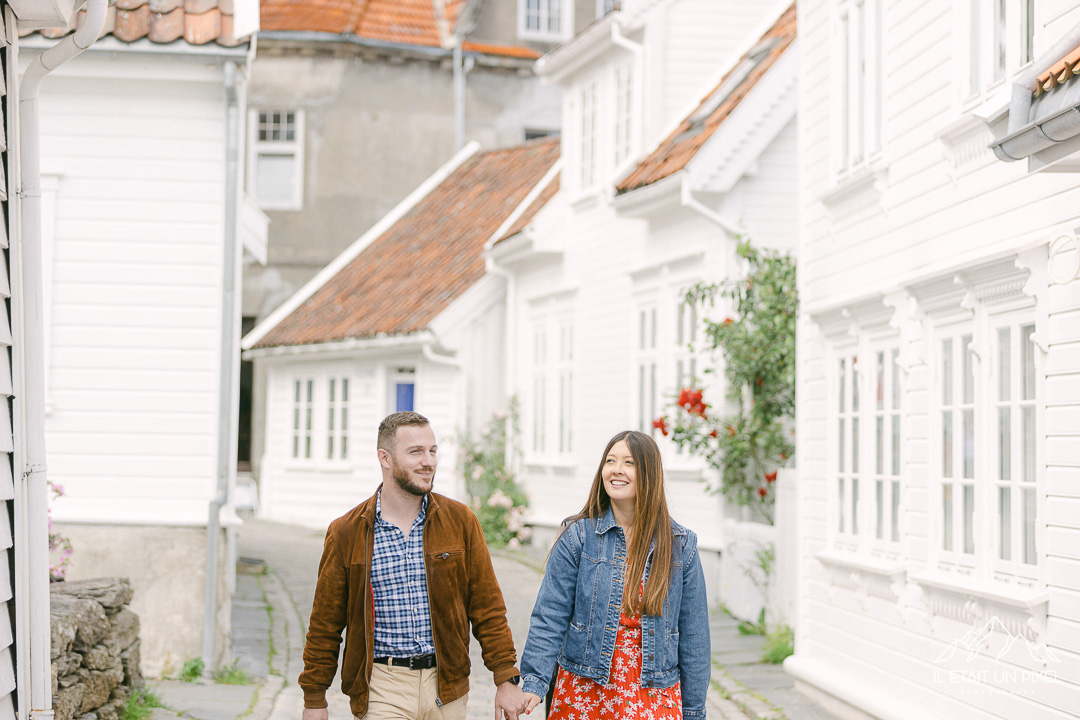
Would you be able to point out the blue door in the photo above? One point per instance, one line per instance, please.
(404, 396)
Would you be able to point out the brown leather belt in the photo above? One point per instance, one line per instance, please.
(419, 662)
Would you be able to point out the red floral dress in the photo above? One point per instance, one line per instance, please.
(623, 698)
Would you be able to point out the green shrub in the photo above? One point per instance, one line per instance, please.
(192, 670)
(494, 495)
(232, 675)
(780, 643)
(140, 704)
(753, 628)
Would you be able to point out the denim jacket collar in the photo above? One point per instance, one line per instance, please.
(607, 521)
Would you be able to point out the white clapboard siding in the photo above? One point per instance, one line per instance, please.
(941, 204)
(7, 488)
(134, 306)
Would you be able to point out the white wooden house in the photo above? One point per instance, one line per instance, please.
(407, 318)
(144, 228)
(939, 378)
(678, 134)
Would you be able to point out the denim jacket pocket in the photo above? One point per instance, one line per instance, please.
(671, 650)
(576, 645)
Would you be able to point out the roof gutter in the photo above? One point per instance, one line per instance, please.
(1025, 138)
(32, 561)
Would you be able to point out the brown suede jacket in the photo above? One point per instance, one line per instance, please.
(461, 587)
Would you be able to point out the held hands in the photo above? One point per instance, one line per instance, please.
(510, 702)
(534, 700)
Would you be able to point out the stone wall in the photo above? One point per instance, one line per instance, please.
(95, 648)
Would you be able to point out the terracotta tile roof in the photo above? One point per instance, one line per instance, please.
(681, 145)
(412, 272)
(197, 22)
(1059, 74)
(526, 217)
(409, 22)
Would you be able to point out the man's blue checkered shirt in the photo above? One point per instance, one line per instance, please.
(399, 581)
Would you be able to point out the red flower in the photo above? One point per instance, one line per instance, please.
(714, 434)
(770, 477)
(661, 425)
(727, 321)
(783, 456)
(730, 431)
(760, 381)
(762, 492)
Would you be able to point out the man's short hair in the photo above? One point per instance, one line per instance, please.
(388, 427)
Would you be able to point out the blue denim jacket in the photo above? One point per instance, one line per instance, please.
(576, 616)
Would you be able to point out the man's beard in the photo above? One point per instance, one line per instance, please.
(407, 484)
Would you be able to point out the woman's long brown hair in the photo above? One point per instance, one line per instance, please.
(652, 522)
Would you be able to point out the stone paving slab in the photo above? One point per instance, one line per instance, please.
(204, 700)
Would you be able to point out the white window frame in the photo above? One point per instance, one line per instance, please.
(646, 365)
(588, 137)
(623, 105)
(887, 433)
(539, 429)
(302, 417)
(565, 371)
(603, 7)
(995, 40)
(545, 34)
(846, 398)
(293, 148)
(858, 80)
(337, 417)
(401, 373)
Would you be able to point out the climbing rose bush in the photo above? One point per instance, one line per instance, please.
(748, 444)
(498, 501)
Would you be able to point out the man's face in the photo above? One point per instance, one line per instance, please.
(413, 459)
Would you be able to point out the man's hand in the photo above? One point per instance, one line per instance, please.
(316, 713)
(534, 700)
(509, 702)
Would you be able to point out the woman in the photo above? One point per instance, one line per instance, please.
(624, 650)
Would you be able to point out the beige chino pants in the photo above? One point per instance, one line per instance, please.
(398, 693)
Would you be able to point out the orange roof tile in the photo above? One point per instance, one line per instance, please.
(423, 262)
(526, 217)
(680, 146)
(198, 22)
(408, 22)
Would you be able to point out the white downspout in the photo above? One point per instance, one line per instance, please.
(230, 359)
(688, 200)
(32, 562)
(462, 67)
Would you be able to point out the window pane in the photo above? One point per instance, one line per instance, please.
(969, 443)
(1004, 444)
(947, 516)
(1004, 363)
(843, 386)
(344, 392)
(1026, 54)
(404, 392)
(855, 384)
(652, 327)
(975, 50)
(275, 178)
(840, 489)
(310, 390)
(969, 373)
(680, 324)
(895, 379)
(1027, 363)
(946, 372)
(969, 519)
(330, 447)
(854, 445)
(879, 505)
(999, 39)
(652, 390)
(297, 398)
(1027, 417)
(895, 444)
(643, 422)
(344, 423)
(855, 506)
(344, 447)
(879, 437)
(843, 437)
(641, 342)
(946, 444)
(896, 511)
(879, 385)
(1029, 526)
(1005, 523)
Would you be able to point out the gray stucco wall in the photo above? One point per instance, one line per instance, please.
(375, 128)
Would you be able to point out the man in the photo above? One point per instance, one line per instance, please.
(404, 574)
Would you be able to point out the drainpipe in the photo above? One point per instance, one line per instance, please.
(1024, 84)
(688, 200)
(462, 67)
(229, 362)
(32, 564)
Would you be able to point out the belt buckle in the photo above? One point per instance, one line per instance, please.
(412, 660)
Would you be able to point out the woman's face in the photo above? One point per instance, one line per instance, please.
(619, 473)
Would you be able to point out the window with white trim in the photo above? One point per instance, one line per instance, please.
(846, 493)
(587, 138)
(859, 81)
(624, 112)
(303, 400)
(647, 357)
(539, 404)
(886, 414)
(566, 377)
(996, 39)
(956, 440)
(337, 419)
(545, 20)
(1014, 417)
(277, 167)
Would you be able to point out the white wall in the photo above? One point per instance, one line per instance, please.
(935, 204)
(135, 148)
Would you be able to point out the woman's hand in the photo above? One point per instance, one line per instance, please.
(534, 700)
